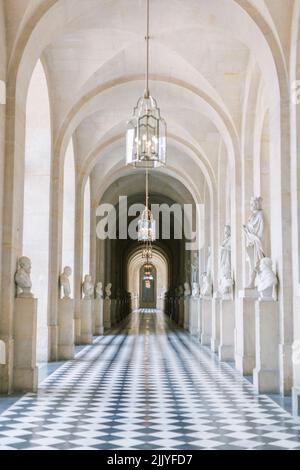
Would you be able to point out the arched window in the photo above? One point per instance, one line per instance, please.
(36, 198)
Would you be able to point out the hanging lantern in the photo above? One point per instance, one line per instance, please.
(147, 251)
(146, 138)
(146, 227)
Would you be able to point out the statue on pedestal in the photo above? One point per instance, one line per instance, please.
(108, 290)
(196, 290)
(23, 279)
(266, 280)
(99, 290)
(195, 268)
(87, 287)
(225, 281)
(187, 289)
(254, 234)
(206, 280)
(64, 282)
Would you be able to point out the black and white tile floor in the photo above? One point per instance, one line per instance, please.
(146, 386)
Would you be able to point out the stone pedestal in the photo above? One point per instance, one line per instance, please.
(266, 372)
(25, 373)
(66, 329)
(86, 336)
(206, 323)
(106, 314)
(181, 312)
(194, 317)
(186, 313)
(245, 331)
(215, 334)
(98, 328)
(77, 320)
(227, 321)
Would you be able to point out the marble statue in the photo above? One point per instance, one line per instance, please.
(64, 282)
(108, 290)
(187, 289)
(225, 281)
(195, 268)
(195, 290)
(206, 279)
(99, 290)
(266, 280)
(254, 233)
(87, 287)
(22, 277)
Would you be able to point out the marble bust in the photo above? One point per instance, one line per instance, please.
(22, 277)
(64, 282)
(108, 290)
(87, 287)
(99, 290)
(266, 280)
(225, 281)
(187, 289)
(253, 231)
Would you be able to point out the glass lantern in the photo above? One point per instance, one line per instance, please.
(146, 138)
(146, 227)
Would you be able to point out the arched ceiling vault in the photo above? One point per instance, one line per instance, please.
(93, 53)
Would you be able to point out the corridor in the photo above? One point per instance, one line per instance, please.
(146, 385)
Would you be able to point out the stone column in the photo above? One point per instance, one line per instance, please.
(98, 317)
(181, 312)
(113, 312)
(25, 373)
(227, 321)
(66, 329)
(107, 315)
(206, 321)
(186, 312)
(266, 372)
(245, 331)
(195, 315)
(86, 336)
(215, 335)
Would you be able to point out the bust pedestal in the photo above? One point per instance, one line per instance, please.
(266, 372)
(86, 335)
(66, 329)
(98, 317)
(245, 331)
(227, 320)
(106, 316)
(215, 334)
(25, 373)
(194, 317)
(206, 323)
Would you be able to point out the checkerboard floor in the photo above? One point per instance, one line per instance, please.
(147, 385)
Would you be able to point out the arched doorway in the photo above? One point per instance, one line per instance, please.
(148, 286)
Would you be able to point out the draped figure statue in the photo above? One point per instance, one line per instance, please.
(254, 234)
(225, 282)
